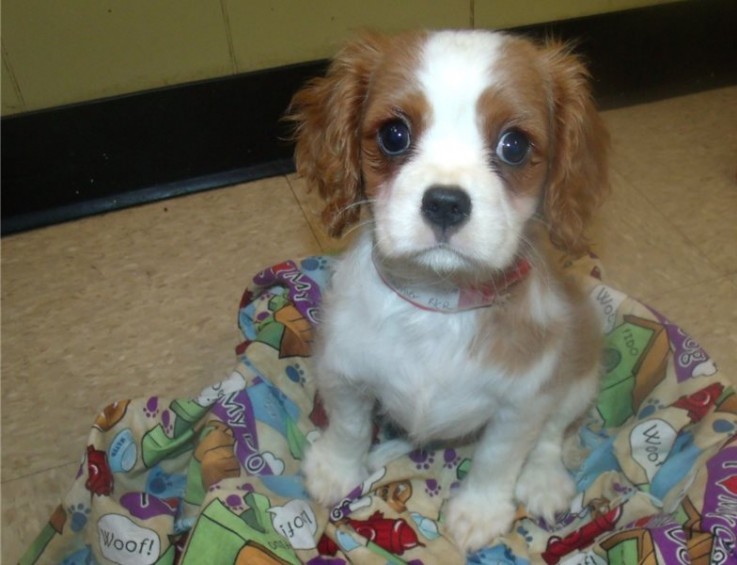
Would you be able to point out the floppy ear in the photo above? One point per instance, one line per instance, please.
(327, 113)
(578, 179)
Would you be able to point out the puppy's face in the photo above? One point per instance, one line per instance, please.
(455, 158)
(460, 141)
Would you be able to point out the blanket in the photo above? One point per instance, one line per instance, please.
(215, 479)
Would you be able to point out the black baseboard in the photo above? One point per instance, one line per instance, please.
(643, 55)
(66, 163)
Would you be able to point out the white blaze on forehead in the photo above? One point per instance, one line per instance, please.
(455, 71)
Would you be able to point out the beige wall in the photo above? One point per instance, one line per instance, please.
(56, 53)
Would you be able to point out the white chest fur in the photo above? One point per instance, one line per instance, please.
(416, 363)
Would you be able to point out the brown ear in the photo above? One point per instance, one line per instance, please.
(578, 178)
(327, 114)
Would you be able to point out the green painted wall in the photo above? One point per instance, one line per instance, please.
(62, 52)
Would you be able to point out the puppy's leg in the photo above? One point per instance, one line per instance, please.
(484, 506)
(545, 487)
(337, 461)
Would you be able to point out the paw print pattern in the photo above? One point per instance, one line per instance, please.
(151, 409)
(79, 514)
(234, 502)
(650, 407)
(167, 421)
(315, 263)
(422, 459)
(296, 374)
(451, 459)
(432, 487)
(623, 489)
(318, 269)
(525, 534)
(165, 485)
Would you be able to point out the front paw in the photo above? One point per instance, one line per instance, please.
(475, 519)
(329, 476)
(545, 490)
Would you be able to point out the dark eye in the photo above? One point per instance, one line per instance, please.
(394, 138)
(513, 147)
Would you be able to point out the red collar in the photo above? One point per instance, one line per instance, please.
(458, 299)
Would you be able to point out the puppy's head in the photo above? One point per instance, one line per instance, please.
(460, 142)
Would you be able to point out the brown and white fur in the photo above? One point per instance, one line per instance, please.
(397, 119)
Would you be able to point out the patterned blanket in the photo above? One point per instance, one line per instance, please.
(215, 479)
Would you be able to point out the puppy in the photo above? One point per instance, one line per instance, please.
(475, 154)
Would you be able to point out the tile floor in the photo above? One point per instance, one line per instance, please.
(143, 301)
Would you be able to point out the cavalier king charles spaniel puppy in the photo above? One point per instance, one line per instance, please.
(478, 157)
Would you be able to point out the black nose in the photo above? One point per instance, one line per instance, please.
(446, 207)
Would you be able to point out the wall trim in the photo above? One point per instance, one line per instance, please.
(70, 162)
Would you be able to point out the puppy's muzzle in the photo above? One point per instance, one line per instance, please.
(445, 209)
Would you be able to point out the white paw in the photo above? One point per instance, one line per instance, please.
(545, 490)
(475, 519)
(329, 476)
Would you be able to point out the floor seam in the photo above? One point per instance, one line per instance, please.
(6, 482)
(304, 215)
(694, 245)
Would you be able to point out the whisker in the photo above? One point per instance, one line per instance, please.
(365, 201)
(358, 225)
